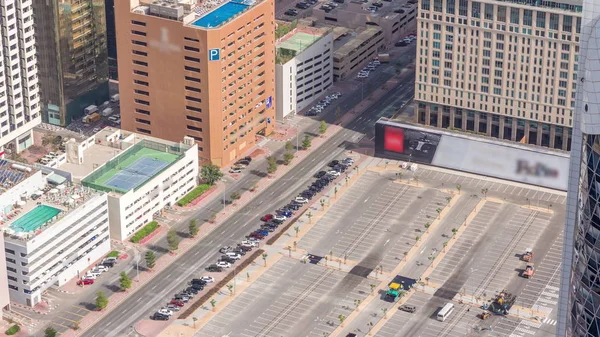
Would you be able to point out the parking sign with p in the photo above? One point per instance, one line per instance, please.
(214, 54)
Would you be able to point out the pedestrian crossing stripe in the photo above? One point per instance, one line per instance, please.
(531, 324)
(531, 332)
(549, 321)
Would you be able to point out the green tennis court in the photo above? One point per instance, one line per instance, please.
(299, 41)
(34, 219)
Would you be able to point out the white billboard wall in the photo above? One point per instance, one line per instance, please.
(475, 154)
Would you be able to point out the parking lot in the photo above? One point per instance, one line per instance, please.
(290, 299)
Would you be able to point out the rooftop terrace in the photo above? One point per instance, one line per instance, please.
(134, 167)
(29, 218)
(12, 173)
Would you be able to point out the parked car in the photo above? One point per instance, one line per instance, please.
(291, 12)
(320, 174)
(334, 173)
(244, 162)
(173, 307)
(208, 279)
(198, 281)
(177, 303)
(231, 255)
(235, 170)
(239, 251)
(160, 317)
(301, 200)
(223, 264)
(248, 243)
(165, 311)
(181, 297)
(225, 249)
(256, 235)
(244, 248)
(192, 290)
(85, 281)
(302, 5)
(266, 217)
(197, 286)
(408, 308)
(227, 259)
(214, 268)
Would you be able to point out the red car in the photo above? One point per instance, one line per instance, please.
(85, 282)
(267, 217)
(177, 303)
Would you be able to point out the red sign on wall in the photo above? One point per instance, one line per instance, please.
(393, 139)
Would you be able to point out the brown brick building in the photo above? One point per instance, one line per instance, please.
(201, 69)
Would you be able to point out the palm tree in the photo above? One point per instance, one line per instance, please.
(484, 191)
(264, 257)
(444, 245)
(454, 231)
(458, 187)
(289, 248)
(426, 225)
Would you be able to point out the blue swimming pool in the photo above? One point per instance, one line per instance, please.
(220, 15)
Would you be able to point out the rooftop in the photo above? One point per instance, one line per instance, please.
(354, 41)
(296, 41)
(13, 173)
(223, 13)
(28, 218)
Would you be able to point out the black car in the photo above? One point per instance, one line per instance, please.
(401, 44)
(192, 290)
(244, 248)
(160, 317)
(339, 1)
(197, 286)
(247, 158)
(291, 12)
(320, 174)
(333, 163)
(277, 221)
(267, 228)
(227, 259)
(302, 5)
(324, 181)
(243, 162)
(214, 268)
(240, 251)
(294, 207)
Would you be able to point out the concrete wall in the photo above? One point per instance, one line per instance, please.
(4, 296)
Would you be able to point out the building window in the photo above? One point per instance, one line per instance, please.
(143, 121)
(137, 32)
(196, 70)
(138, 23)
(195, 119)
(141, 73)
(142, 111)
(140, 82)
(139, 101)
(142, 92)
(192, 89)
(192, 59)
(139, 43)
(9, 251)
(197, 50)
(137, 52)
(140, 130)
(191, 108)
(194, 128)
(193, 79)
(193, 99)
(140, 63)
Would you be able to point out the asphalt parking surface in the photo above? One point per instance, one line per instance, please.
(290, 299)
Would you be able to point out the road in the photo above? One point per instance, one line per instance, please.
(159, 289)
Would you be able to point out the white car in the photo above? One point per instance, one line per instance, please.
(164, 311)
(301, 200)
(233, 255)
(279, 218)
(334, 173)
(208, 279)
(248, 243)
(93, 273)
(362, 76)
(90, 277)
(235, 170)
(173, 307)
(101, 268)
(96, 130)
(376, 63)
(224, 264)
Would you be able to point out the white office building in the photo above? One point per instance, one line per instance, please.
(141, 174)
(304, 68)
(19, 99)
(52, 233)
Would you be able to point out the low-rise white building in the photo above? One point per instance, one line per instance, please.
(51, 233)
(141, 174)
(304, 68)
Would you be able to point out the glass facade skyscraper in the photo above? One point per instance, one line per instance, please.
(73, 60)
(579, 303)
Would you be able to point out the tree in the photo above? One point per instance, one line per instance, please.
(193, 228)
(306, 142)
(372, 287)
(287, 158)
(335, 190)
(484, 191)
(289, 146)
(384, 310)
(150, 259)
(124, 281)
(427, 280)
(213, 303)
(264, 257)
(458, 187)
(454, 231)
(322, 201)
(289, 248)
(322, 127)
(439, 212)
(230, 288)
(405, 255)
(297, 230)
(341, 318)
(101, 300)
(212, 218)
(50, 332)
(235, 195)
(448, 199)
(271, 164)
(444, 245)
(417, 238)
(211, 173)
(427, 225)
(309, 215)
(172, 240)
(356, 304)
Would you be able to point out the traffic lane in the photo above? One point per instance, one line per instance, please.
(116, 321)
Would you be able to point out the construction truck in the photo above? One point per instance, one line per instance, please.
(91, 118)
(528, 256)
(484, 315)
(528, 272)
(395, 288)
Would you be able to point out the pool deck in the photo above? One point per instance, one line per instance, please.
(56, 200)
(218, 15)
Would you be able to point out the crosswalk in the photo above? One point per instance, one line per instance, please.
(549, 321)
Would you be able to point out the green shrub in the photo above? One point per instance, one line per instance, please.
(195, 193)
(145, 231)
(114, 253)
(13, 330)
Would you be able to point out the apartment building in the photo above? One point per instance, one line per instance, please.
(503, 69)
(204, 69)
(354, 49)
(304, 69)
(19, 101)
(579, 297)
(51, 233)
(396, 19)
(73, 63)
(141, 174)
(4, 293)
